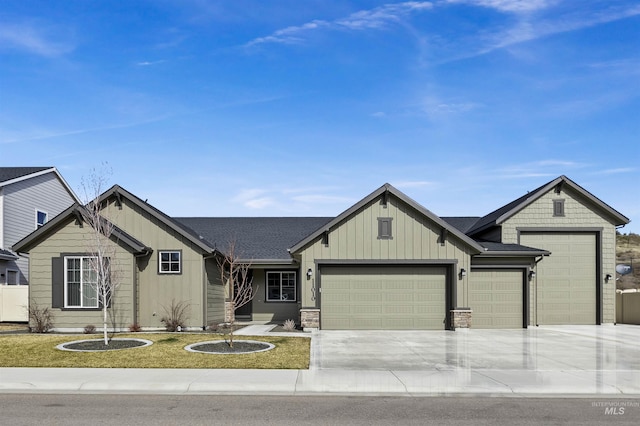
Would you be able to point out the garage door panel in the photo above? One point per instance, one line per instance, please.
(564, 290)
(358, 297)
(495, 297)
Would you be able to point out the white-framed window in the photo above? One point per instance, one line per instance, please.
(281, 286)
(169, 262)
(80, 282)
(41, 218)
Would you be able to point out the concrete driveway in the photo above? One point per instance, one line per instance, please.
(563, 359)
(541, 348)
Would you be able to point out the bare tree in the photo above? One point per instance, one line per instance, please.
(102, 275)
(235, 275)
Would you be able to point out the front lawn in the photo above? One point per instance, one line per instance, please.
(167, 351)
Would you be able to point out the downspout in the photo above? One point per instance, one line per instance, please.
(536, 284)
(136, 282)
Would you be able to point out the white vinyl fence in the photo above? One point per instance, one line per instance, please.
(14, 300)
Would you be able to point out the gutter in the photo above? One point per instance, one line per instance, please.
(514, 253)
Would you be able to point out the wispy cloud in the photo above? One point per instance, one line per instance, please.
(616, 171)
(254, 199)
(514, 6)
(376, 18)
(150, 63)
(528, 30)
(13, 137)
(27, 37)
(436, 108)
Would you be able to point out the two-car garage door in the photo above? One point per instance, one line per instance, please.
(383, 297)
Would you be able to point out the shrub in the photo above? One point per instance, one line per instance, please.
(135, 328)
(175, 316)
(40, 318)
(289, 325)
(89, 329)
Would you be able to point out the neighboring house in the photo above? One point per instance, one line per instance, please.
(385, 263)
(29, 197)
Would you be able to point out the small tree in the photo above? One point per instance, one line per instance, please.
(104, 276)
(235, 275)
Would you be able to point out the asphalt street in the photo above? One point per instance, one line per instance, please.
(23, 409)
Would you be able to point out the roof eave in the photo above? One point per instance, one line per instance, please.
(157, 214)
(10, 256)
(514, 253)
(28, 176)
(258, 262)
(25, 244)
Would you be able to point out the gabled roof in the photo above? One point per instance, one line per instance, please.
(462, 224)
(387, 189)
(7, 255)
(11, 175)
(75, 211)
(503, 213)
(117, 192)
(259, 239)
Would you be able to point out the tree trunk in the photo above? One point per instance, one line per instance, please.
(104, 320)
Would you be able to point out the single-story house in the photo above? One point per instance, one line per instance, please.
(385, 263)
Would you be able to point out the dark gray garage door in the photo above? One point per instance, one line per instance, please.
(383, 297)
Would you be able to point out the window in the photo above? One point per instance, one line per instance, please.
(170, 262)
(558, 208)
(80, 282)
(12, 277)
(41, 218)
(384, 228)
(281, 286)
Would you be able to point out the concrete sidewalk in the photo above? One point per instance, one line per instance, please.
(570, 361)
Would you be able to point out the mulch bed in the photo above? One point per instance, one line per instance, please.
(224, 348)
(98, 345)
(280, 329)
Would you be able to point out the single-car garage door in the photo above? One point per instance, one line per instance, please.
(383, 297)
(495, 296)
(566, 280)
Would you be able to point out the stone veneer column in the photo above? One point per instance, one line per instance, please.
(310, 319)
(461, 318)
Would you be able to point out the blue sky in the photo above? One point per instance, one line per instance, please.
(301, 108)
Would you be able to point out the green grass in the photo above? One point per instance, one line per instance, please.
(167, 351)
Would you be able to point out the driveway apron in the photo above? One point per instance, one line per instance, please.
(541, 348)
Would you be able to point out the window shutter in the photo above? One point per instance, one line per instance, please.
(57, 282)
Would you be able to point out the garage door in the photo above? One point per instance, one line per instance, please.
(383, 298)
(495, 296)
(566, 280)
